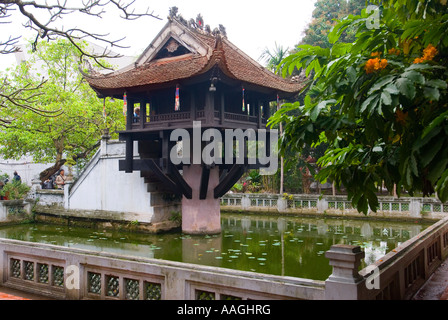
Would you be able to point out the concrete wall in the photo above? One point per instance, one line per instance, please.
(12, 211)
(102, 187)
(103, 192)
(25, 167)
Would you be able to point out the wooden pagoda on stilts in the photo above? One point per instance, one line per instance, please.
(192, 79)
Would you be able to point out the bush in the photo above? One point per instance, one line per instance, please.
(15, 190)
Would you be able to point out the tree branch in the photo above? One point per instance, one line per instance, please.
(23, 98)
(95, 8)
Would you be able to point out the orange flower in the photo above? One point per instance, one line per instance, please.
(418, 60)
(373, 65)
(370, 65)
(428, 54)
(394, 51)
(401, 116)
(375, 54)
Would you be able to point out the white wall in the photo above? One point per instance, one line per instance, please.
(25, 167)
(102, 187)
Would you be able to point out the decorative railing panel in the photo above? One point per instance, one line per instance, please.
(240, 117)
(405, 269)
(69, 273)
(334, 205)
(176, 116)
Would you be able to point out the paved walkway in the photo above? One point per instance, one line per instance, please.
(12, 294)
(436, 288)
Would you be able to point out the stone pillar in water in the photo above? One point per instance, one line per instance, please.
(201, 216)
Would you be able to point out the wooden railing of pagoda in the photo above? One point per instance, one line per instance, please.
(183, 116)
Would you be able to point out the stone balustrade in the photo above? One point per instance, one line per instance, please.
(390, 207)
(69, 273)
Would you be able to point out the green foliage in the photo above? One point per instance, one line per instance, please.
(325, 15)
(237, 187)
(3, 176)
(15, 190)
(176, 216)
(273, 59)
(73, 134)
(379, 103)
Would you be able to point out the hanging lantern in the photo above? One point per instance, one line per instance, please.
(244, 104)
(177, 100)
(104, 109)
(125, 103)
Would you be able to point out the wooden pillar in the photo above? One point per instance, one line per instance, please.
(129, 155)
(129, 113)
(222, 111)
(258, 113)
(143, 113)
(193, 107)
(209, 107)
(165, 152)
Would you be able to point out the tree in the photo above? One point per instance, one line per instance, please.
(273, 61)
(76, 132)
(380, 103)
(43, 17)
(325, 15)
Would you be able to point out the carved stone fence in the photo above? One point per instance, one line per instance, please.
(70, 273)
(406, 207)
(397, 275)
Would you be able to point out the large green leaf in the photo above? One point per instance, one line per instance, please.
(406, 87)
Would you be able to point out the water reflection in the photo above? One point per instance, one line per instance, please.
(267, 244)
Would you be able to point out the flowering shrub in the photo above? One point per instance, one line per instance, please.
(379, 103)
(428, 54)
(373, 65)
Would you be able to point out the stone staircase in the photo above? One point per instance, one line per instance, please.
(163, 201)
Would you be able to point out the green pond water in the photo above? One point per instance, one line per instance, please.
(289, 246)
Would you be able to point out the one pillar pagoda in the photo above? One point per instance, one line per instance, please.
(192, 79)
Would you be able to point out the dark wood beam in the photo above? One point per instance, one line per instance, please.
(229, 180)
(129, 155)
(180, 182)
(205, 176)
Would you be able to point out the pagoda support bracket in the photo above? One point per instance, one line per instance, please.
(234, 174)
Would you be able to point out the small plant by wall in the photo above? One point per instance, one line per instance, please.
(176, 216)
(14, 191)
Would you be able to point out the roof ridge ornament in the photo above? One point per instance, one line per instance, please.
(197, 24)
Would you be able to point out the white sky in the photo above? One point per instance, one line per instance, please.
(251, 25)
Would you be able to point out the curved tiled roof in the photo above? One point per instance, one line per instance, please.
(232, 61)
